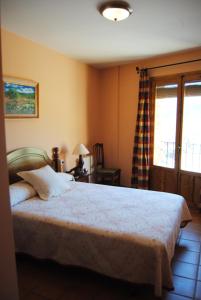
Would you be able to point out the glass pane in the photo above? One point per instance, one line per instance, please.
(165, 125)
(191, 135)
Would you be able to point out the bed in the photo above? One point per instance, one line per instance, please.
(120, 232)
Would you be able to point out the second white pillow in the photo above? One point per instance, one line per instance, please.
(20, 191)
(45, 181)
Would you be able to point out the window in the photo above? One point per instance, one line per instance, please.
(191, 133)
(177, 123)
(165, 125)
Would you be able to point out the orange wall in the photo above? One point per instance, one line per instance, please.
(109, 114)
(68, 98)
(80, 104)
(119, 99)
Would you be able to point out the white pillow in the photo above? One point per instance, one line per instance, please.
(66, 176)
(45, 181)
(20, 191)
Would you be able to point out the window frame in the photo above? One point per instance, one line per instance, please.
(179, 79)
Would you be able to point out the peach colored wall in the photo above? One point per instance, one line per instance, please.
(8, 278)
(79, 103)
(119, 99)
(68, 98)
(109, 113)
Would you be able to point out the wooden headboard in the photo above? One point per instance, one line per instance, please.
(24, 159)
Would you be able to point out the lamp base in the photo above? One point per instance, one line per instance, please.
(80, 162)
(79, 169)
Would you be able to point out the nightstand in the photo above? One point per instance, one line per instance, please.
(82, 178)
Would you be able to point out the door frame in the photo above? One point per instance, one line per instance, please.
(180, 79)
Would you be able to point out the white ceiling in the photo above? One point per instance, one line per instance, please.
(76, 28)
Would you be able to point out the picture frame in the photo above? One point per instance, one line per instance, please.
(21, 98)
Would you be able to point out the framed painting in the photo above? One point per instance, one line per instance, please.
(20, 98)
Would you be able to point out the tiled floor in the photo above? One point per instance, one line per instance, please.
(42, 280)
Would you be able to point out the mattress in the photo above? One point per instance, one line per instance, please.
(124, 233)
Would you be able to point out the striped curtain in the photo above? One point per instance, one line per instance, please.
(141, 150)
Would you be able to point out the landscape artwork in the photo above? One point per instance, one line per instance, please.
(20, 98)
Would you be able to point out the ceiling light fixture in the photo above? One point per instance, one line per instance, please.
(115, 10)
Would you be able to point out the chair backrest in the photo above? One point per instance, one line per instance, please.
(98, 155)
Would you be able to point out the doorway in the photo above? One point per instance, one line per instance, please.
(176, 137)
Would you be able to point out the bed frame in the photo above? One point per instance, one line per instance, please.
(24, 159)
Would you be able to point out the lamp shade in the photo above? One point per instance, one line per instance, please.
(80, 149)
(115, 10)
(115, 14)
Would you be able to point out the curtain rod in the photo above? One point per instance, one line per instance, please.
(169, 65)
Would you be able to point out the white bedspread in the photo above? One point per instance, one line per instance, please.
(120, 232)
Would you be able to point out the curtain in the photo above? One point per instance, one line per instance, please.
(141, 150)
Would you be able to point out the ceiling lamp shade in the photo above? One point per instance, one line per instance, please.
(115, 10)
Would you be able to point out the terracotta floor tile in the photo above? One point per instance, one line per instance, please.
(169, 296)
(181, 254)
(190, 245)
(184, 270)
(177, 241)
(199, 274)
(193, 236)
(198, 291)
(183, 286)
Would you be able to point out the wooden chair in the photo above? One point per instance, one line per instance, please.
(104, 175)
